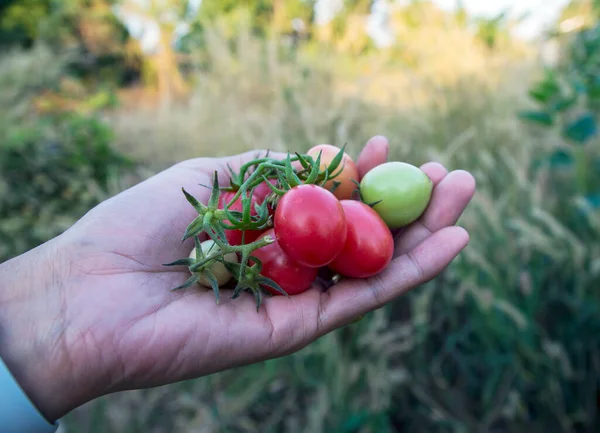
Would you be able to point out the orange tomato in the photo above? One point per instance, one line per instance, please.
(346, 187)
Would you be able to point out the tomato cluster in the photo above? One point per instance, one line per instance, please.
(297, 217)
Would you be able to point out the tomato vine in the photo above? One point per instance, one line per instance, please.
(214, 218)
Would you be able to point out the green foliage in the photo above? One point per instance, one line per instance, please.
(489, 30)
(53, 168)
(86, 28)
(569, 94)
(52, 172)
(264, 17)
(568, 104)
(19, 20)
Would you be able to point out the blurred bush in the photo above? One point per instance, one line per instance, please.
(54, 167)
(568, 103)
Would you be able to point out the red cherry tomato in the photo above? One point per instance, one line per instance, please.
(348, 173)
(291, 277)
(234, 237)
(310, 225)
(369, 245)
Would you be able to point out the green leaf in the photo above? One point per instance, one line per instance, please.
(189, 282)
(292, 179)
(270, 283)
(234, 217)
(239, 288)
(582, 129)
(213, 202)
(202, 263)
(200, 208)
(594, 88)
(243, 268)
(539, 117)
(233, 267)
(312, 177)
(181, 262)
(593, 200)
(213, 282)
(217, 233)
(257, 263)
(335, 186)
(273, 188)
(262, 210)
(246, 207)
(257, 298)
(231, 172)
(198, 246)
(560, 158)
(540, 94)
(194, 229)
(563, 104)
(335, 162)
(325, 177)
(545, 90)
(356, 421)
(283, 181)
(303, 161)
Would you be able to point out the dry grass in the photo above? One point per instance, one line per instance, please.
(253, 96)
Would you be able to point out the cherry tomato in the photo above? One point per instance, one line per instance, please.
(310, 225)
(404, 191)
(234, 237)
(369, 246)
(277, 265)
(349, 171)
(221, 273)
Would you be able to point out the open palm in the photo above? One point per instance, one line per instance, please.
(125, 328)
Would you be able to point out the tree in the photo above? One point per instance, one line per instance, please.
(578, 14)
(266, 15)
(19, 20)
(164, 17)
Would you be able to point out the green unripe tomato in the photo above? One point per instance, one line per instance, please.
(404, 191)
(221, 273)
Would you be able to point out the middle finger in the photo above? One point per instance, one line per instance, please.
(448, 201)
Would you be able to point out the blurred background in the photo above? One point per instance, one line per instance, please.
(97, 95)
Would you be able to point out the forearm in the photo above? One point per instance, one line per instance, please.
(30, 328)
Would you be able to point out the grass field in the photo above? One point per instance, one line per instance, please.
(505, 340)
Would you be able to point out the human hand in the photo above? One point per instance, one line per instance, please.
(91, 312)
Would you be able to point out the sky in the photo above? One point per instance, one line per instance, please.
(541, 13)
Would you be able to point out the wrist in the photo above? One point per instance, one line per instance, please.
(31, 324)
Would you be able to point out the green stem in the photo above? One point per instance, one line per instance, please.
(256, 175)
(244, 168)
(207, 218)
(245, 250)
(256, 162)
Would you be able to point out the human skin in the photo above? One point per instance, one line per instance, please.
(91, 311)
